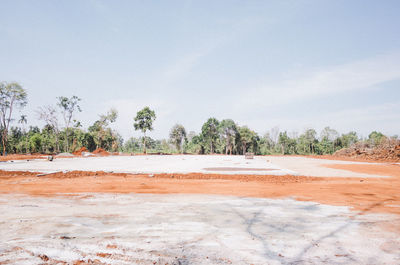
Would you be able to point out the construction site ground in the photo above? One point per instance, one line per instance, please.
(184, 209)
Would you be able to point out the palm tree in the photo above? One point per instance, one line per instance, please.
(23, 120)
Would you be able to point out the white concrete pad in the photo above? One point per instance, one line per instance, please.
(189, 229)
(314, 167)
(216, 164)
(154, 164)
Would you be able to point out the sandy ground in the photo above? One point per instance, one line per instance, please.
(326, 212)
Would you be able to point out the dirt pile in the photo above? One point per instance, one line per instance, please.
(80, 151)
(388, 150)
(101, 152)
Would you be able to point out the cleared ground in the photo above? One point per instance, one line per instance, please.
(232, 211)
(213, 164)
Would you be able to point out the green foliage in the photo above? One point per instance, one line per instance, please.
(11, 95)
(288, 145)
(35, 142)
(177, 135)
(248, 139)
(103, 136)
(228, 131)
(144, 122)
(375, 138)
(210, 133)
(215, 137)
(68, 107)
(195, 145)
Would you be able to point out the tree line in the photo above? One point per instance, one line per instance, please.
(62, 132)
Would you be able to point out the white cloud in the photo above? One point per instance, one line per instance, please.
(181, 67)
(338, 79)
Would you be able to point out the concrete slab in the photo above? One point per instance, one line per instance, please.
(208, 164)
(189, 229)
(314, 167)
(154, 164)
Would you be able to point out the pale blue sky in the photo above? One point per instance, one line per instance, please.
(291, 64)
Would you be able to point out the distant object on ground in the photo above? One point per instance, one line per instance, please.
(249, 155)
(86, 154)
(64, 154)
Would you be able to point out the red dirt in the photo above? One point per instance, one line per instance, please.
(386, 150)
(366, 195)
(79, 152)
(101, 152)
(22, 157)
(337, 158)
(392, 170)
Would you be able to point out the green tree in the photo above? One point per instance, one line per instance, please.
(228, 131)
(49, 115)
(23, 121)
(267, 145)
(36, 142)
(350, 138)
(195, 144)
(101, 133)
(144, 122)
(247, 137)
(284, 142)
(307, 142)
(177, 135)
(328, 140)
(68, 107)
(210, 133)
(375, 138)
(11, 95)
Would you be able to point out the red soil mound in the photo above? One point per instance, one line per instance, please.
(101, 151)
(79, 152)
(389, 151)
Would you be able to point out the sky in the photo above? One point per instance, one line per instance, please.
(288, 64)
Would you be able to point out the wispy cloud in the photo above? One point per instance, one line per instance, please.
(182, 66)
(331, 81)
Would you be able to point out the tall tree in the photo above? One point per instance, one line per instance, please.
(288, 144)
(144, 122)
(375, 138)
(328, 140)
(23, 121)
(177, 135)
(228, 132)
(346, 140)
(68, 107)
(99, 128)
(49, 115)
(246, 137)
(11, 95)
(210, 132)
(310, 140)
